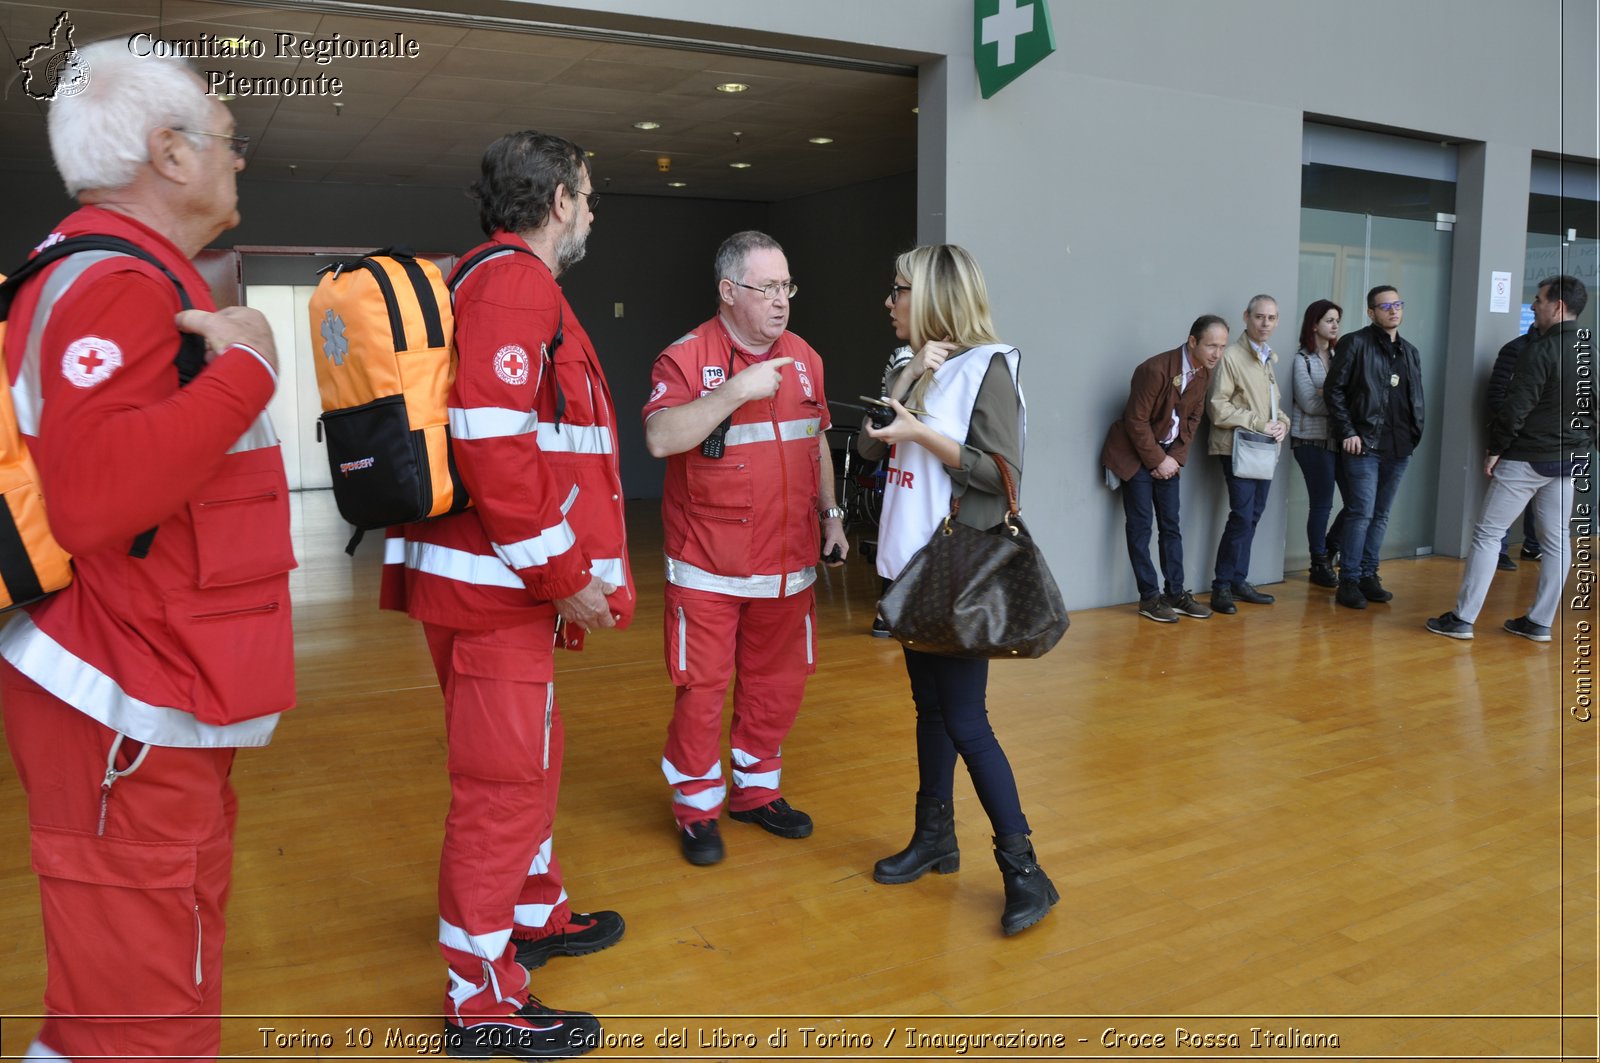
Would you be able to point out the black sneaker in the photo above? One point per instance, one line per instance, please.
(1156, 608)
(533, 1031)
(1372, 589)
(702, 844)
(1505, 564)
(587, 932)
(1185, 605)
(1532, 552)
(1349, 595)
(1450, 626)
(880, 630)
(1528, 629)
(1245, 591)
(776, 817)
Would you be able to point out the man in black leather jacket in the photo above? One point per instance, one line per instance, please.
(1374, 396)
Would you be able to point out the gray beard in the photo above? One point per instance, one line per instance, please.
(571, 248)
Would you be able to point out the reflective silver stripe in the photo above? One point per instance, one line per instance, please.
(489, 946)
(685, 338)
(609, 569)
(394, 551)
(491, 422)
(683, 574)
(762, 431)
(537, 549)
(683, 648)
(767, 780)
(704, 801)
(73, 680)
(479, 570)
(571, 499)
(541, 859)
(811, 647)
(575, 439)
(258, 436)
(536, 914)
(25, 394)
(678, 778)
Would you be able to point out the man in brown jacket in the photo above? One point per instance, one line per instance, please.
(1146, 449)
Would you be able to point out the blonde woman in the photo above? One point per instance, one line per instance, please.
(965, 381)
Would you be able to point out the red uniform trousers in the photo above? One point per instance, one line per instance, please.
(498, 877)
(133, 912)
(772, 644)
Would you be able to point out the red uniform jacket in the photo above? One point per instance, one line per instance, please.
(547, 493)
(192, 644)
(750, 515)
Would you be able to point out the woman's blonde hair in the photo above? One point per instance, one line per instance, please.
(949, 301)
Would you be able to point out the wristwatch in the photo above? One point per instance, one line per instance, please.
(830, 514)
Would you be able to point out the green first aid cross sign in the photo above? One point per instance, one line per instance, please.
(1010, 37)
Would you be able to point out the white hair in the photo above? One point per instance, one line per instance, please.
(100, 136)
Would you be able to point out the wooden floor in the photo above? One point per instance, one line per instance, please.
(1297, 818)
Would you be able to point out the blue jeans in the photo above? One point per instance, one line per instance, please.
(953, 719)
(1368, 483)
(1318, 465)
(1247, 499)
(1141, 496)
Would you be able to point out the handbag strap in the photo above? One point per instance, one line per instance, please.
(1011, 495)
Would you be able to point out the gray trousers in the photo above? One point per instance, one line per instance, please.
(1510, 488)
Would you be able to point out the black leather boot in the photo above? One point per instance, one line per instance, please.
(933, 846)
(1322, 573)
(1029, 891)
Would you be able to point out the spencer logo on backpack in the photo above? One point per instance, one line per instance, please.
(386, 331)
(32, 563)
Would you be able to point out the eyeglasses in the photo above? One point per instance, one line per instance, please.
(1396, 305)
(236, 143)
(788, 289)
(895, 290)
(592, 197)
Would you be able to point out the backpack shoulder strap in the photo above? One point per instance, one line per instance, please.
(482, 255)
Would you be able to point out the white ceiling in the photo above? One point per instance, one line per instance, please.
(426, 121)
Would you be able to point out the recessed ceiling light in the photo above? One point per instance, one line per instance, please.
(588, 154)
(647, 125)
(226, 97)
(733, 86)
(677, 184)
(740, 165)
(916, 110)
(821, 140)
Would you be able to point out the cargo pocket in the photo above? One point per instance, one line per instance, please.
(241, 644)
(229, 515)
(501, 704)
(111, 897)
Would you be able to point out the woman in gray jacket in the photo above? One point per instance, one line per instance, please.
(1308, 435)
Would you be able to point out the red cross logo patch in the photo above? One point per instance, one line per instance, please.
(511, 364)
(90, 360)
(711, 376)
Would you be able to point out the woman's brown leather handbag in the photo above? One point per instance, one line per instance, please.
(971, 593)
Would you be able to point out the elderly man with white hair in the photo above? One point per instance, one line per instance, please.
(127, 693)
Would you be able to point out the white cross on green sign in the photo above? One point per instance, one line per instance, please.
(1010, 36)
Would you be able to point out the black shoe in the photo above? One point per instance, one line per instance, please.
(1029, 892)
(1449, 625)
(587, 932)
(1528, 629)
(702, 844)
(1350, 596)
(1532, 552)
(1372, 589)
(1322, 573)
(1245, 591)
(932, 847)
(1156, 608)
(776, 817)
(880, 630)
(1185, 605)
(533, 1031)
(1505, 564)
(1222, 601)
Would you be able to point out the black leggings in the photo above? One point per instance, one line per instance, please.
(952, 718)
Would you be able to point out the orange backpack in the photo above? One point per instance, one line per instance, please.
(386, 330)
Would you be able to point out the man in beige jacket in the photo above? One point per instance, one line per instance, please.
(1244, 394)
